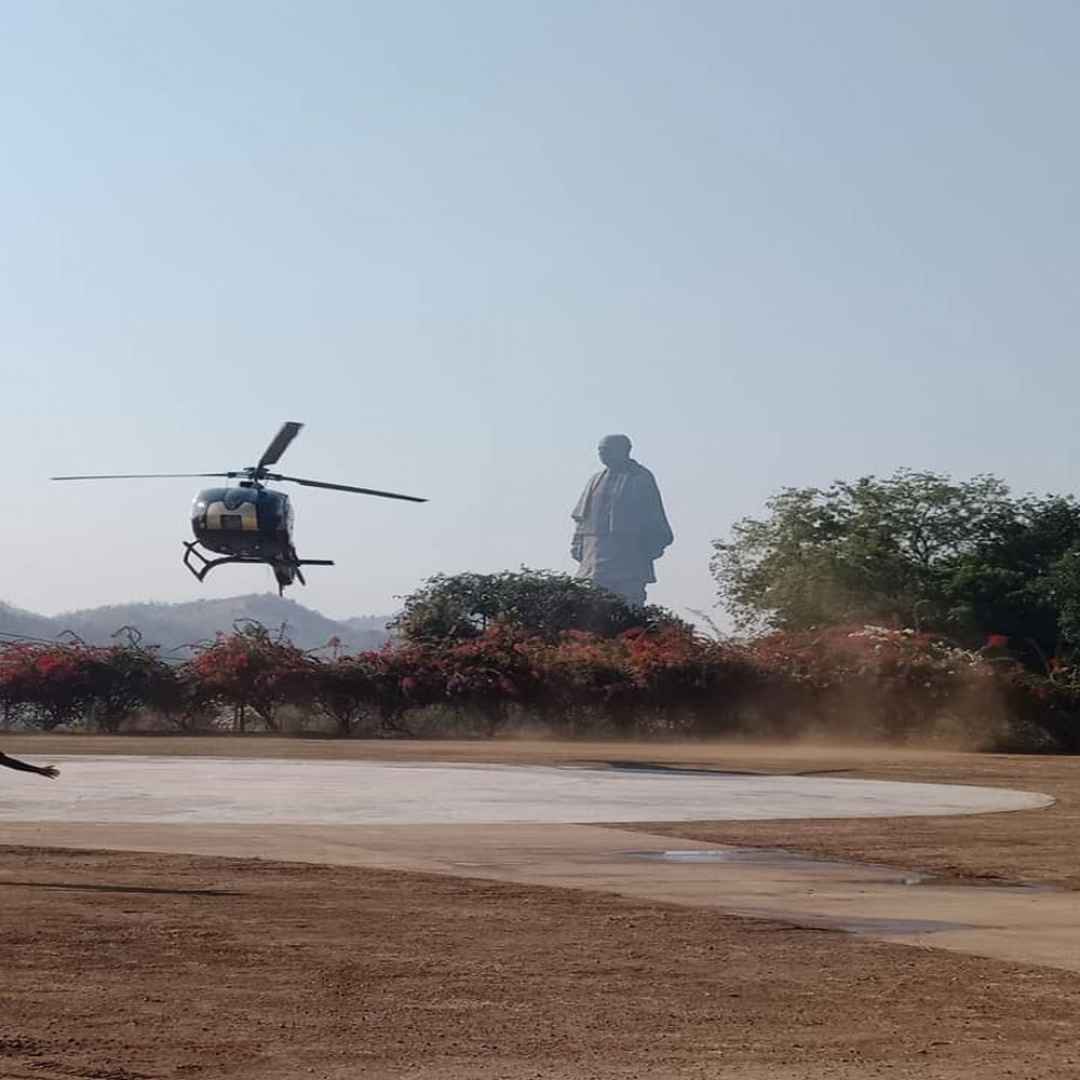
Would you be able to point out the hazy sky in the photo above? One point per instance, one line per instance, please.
(775, 243)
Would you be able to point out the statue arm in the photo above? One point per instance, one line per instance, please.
(578, 514)
(577, 544)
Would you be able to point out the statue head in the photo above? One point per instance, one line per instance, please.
(614, 450)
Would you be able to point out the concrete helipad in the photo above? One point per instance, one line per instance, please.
(170, 790)
(538, 825)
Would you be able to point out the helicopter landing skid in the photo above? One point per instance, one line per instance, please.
(192, 552)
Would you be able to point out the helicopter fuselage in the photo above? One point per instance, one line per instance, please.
(244, 520)
(245, 524)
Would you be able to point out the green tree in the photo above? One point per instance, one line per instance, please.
(914, 549)
(1061, 588)
(1021, 581)
(458, 607)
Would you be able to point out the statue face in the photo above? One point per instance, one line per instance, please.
(614, 449)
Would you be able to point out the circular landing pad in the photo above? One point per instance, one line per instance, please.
(275, 792)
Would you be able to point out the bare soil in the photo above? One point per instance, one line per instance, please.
(123, 966)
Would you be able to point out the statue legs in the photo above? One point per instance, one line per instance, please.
(633, 592)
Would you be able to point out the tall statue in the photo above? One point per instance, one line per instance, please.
(621, 524)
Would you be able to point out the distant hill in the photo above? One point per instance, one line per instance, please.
(174, 625)
(14, 620)
(367, 622)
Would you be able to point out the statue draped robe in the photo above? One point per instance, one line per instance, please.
(621, 529)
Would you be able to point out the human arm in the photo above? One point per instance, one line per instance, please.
(48, 771)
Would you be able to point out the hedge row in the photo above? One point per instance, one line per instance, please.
(851, 681)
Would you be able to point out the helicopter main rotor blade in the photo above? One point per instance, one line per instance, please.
(143, 476)
(348, 487)
(280, 443)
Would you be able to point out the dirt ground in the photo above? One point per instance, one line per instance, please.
(121, 966)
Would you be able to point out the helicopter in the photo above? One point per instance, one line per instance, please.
(249, 522)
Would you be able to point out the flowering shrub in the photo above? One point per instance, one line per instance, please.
(490, 673)
(854, 680)
(344, 691)
(1044, 707)
(583, 670)
(124, 679)
(873, 679)
(52, 684)
(251, 669)
(669, 679)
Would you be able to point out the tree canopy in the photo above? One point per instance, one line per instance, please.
(960, 557)
(449, 607)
